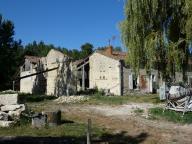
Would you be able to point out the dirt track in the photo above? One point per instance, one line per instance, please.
(126, 126)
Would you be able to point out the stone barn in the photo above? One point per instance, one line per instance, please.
(105, 69)
(51, 75)
(35, 83)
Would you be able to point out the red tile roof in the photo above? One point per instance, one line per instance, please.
(113, 54)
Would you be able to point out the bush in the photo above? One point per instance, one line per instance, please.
(34, 98)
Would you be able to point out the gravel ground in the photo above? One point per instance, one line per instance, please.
(123, 122)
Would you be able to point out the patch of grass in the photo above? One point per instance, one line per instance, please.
(34, 97)
(139, 111)
(118, 100)
(173, 116)
(66, 129)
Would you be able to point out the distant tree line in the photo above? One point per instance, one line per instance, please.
(42, 49)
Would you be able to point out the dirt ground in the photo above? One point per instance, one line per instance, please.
(125, 125)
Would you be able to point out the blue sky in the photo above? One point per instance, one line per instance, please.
(65, 23)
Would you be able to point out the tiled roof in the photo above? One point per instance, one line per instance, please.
(33, 59)
(115, 54)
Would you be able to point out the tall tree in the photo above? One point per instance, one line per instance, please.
(157, 34)
(10, 53)
(86, 49)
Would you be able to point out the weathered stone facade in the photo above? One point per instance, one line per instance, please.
(27, 85)
(55, 76)
(105, 73)
(60, 81)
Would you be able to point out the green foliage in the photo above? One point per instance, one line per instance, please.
(72, 130)
(173, 116)
(86, 49)
(42, 49)
(138, 111)
(34, 98)
(157, 34)
(10, 53)
(39, 49)
(118, 49)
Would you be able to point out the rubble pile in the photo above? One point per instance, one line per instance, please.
(71, 99)
(10, 110)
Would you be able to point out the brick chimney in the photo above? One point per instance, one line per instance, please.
(109, 50)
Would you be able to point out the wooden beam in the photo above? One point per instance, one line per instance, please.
(47, 70)
(82, 65)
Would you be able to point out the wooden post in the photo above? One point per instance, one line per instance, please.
(13, 85)
(89, 131)
(83, 78)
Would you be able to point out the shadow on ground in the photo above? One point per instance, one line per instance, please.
(120, 138)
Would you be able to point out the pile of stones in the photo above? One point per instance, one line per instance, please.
(71, 99)
(10, 109)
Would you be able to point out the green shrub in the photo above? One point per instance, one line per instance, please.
(34, 98)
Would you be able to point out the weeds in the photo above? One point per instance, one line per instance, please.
(98, 98)
(34, 98)
(173, 116)
(138, 111)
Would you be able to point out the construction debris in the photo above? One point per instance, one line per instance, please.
(50, 118)
(71, 99)
(39, 120)
(179, 98)
(8, 99)
(53, 117)
(10, 110)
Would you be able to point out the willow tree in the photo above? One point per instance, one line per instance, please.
(158, 34)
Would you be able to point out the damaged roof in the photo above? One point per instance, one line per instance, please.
(33, 59)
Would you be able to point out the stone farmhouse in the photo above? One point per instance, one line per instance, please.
(106, 69)
(51, 75)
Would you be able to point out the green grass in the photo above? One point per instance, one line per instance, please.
(68, 129)
(139, 111)
(118, 100)
(168, 115)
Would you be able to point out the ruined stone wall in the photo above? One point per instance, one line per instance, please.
(105, 73)
(59, 81)
(54, 59)
(125, 80)
(26, 84)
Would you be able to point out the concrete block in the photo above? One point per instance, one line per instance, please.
(39, 120)
(53, 117)
(8, 99)
(6, 123)
(13, 107)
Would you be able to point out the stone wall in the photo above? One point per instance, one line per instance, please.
(27, 84)
(8, 99)
(125, 80)
(105, 73)
(59, 81)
